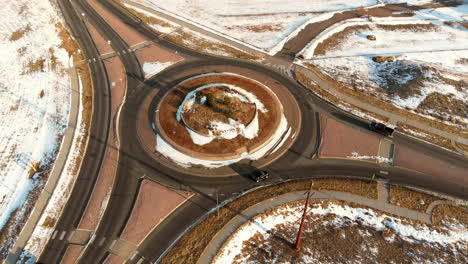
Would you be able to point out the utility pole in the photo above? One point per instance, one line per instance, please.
(297, 246)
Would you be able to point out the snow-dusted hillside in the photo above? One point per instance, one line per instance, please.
(34, 96)
(262, 24)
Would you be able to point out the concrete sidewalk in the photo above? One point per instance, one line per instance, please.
(381, 204)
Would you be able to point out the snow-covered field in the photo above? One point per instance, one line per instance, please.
(262, 24)
(34, 96)
(430, 68)
(340, 233)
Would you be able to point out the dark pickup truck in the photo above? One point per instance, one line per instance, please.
(381, 128)
(259, 175)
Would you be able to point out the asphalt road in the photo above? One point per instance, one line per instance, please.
(134, 162)
(98, 135)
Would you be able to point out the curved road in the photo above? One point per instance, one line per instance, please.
(134, 161)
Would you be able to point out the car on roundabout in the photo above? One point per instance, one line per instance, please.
(259, 175)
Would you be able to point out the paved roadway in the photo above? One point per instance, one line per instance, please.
(135, 162)
(98, 134)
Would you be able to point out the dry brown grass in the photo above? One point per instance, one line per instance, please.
(20, 33)
(433, 138)
(257, 28)
(68, 43)
(463, 61)
(86, 94)
(443, 107)
(302, 77)
(409, 27)
(462, 146)
(36, 66)
(187, 39)
(349, 242)
(189, 248)
(337, 38)
(370, 98)
(447, 211)
(407, 198)
(49, 222)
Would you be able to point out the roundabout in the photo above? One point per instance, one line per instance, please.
(218, 115)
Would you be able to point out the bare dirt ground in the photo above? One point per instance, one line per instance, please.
(153, 204)
(340, 140)
(177, 132)
(189, 248)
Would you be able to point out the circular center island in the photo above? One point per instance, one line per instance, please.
(216, 119)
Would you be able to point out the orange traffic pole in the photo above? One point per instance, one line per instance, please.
(297, 246)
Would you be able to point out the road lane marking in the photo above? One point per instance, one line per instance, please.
(102, 241)
(112, 244)
(62, 235)
(54, 234)
(140, 260)
(134, 255)
(70, 235)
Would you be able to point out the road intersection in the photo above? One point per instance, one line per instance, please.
(136, 163)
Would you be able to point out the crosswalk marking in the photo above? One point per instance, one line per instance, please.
(102, 241)
(62, 235)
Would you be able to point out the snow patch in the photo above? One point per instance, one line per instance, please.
(153, 68)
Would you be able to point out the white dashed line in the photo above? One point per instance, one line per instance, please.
(62, 235)
(102, 241)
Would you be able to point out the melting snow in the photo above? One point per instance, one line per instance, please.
(239, 20)
(290, 215)
(153, 68)
(186, 161)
